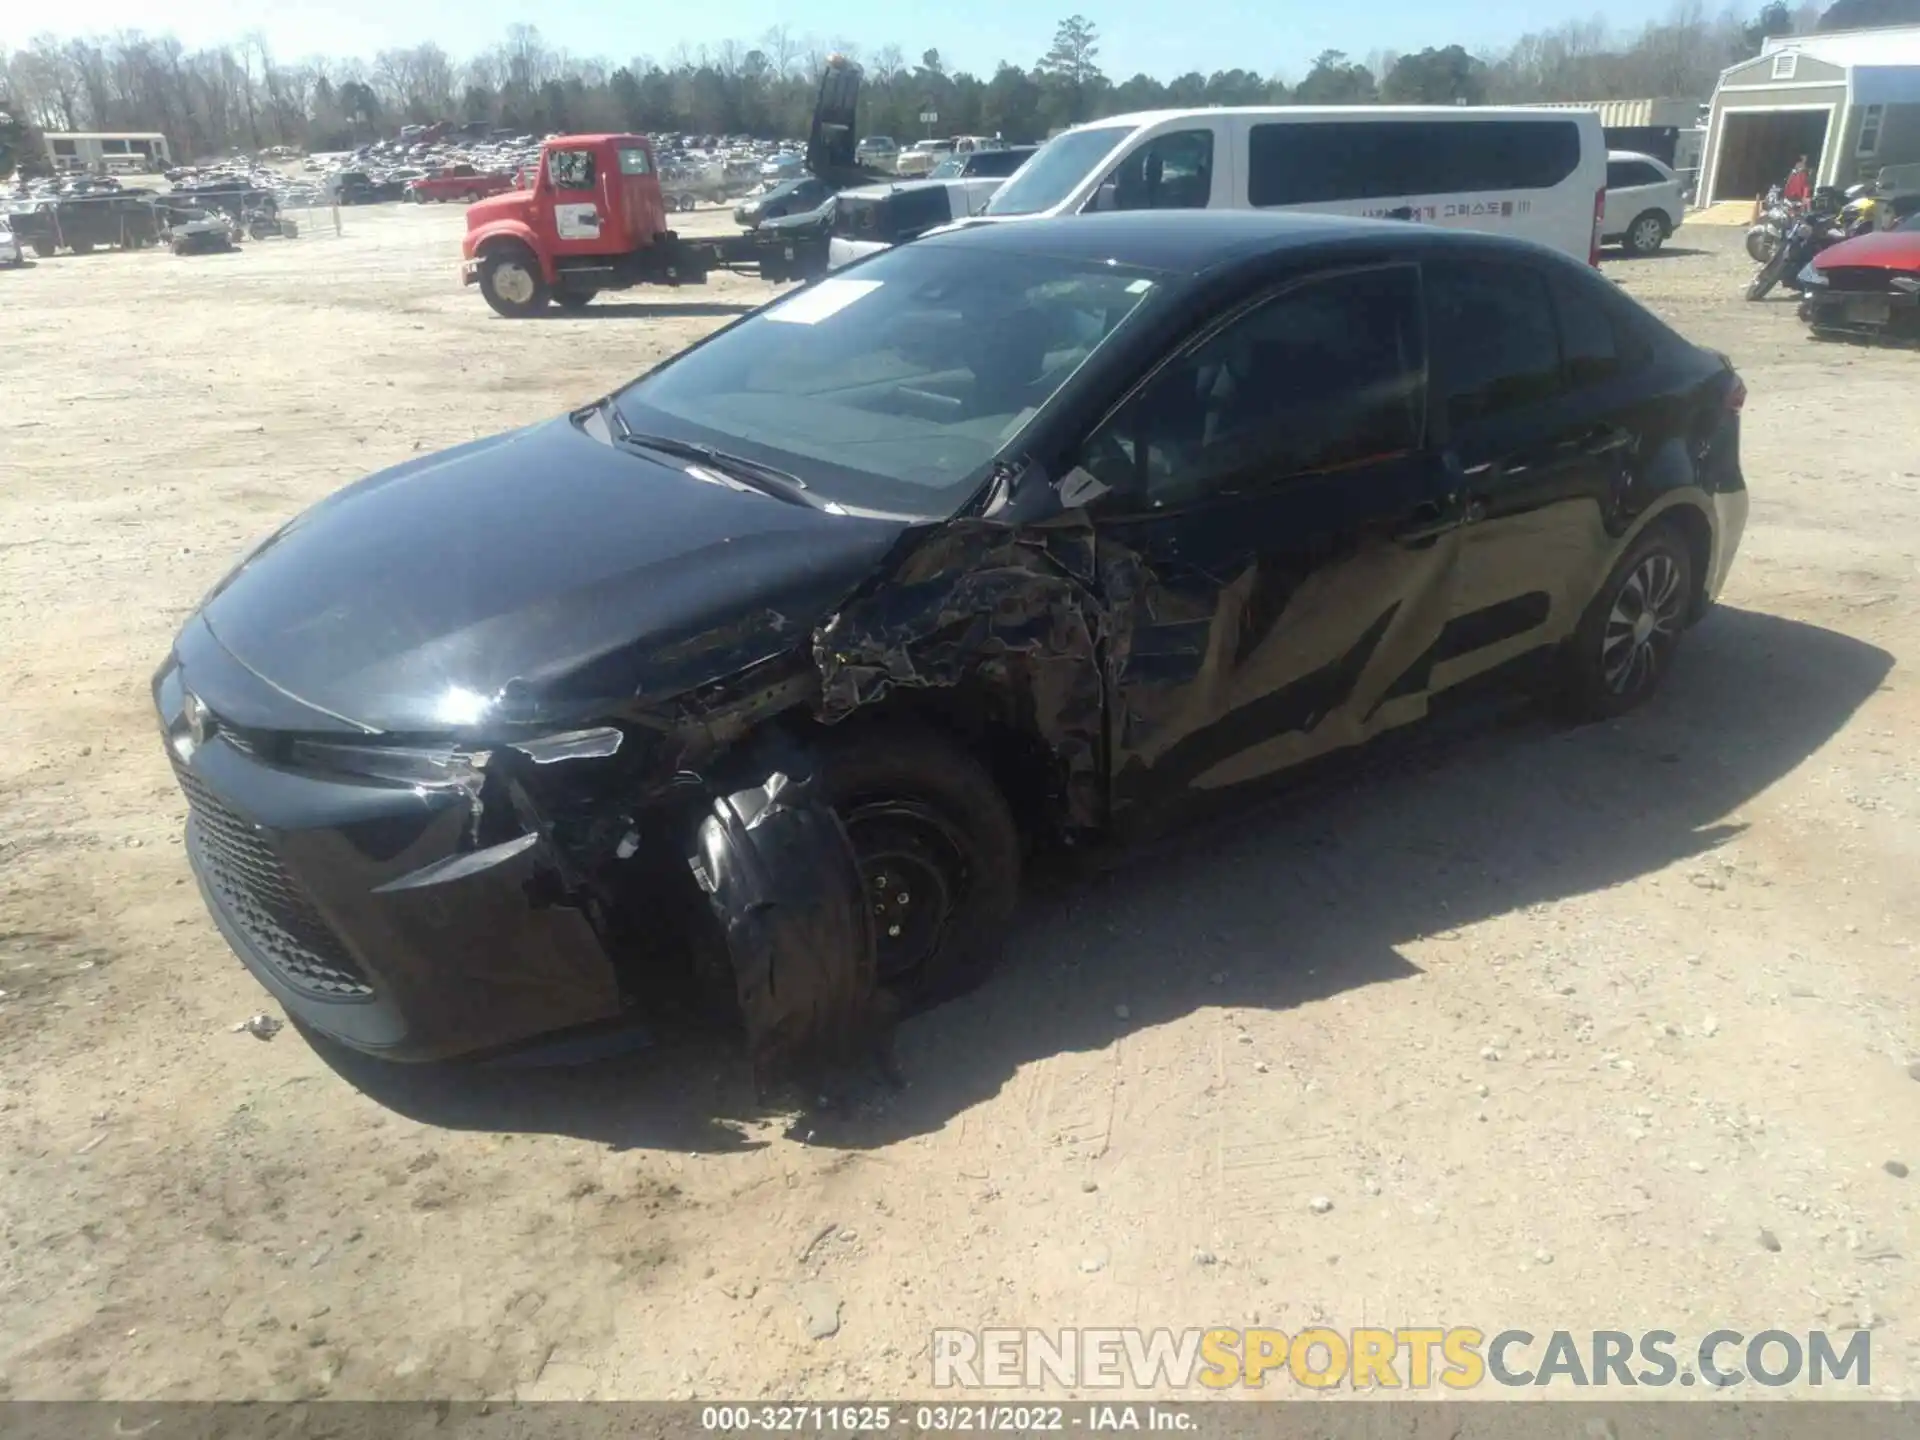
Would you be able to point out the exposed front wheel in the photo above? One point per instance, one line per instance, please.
(1765, 279)
(510, 281)
(938, 854)
(1647, 234)
(1626, 641)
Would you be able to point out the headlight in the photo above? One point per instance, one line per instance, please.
(1811, 276)
(432, 767)
(448, 766)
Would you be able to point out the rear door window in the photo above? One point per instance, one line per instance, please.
(1590, 347)
(1626, 174)
(1492, 336)
(1169, 172)
(635, 161)
(1306, 163)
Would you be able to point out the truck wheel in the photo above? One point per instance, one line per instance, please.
(510, 281)
(81, 247)
(938, 852)
(44, 249)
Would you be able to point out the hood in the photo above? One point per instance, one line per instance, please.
(1883, 250)
(507, 205)
(537, 576)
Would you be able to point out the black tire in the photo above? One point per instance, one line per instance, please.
(44, 249)
(1646, 234)
(527, 292)
(468, 197)
(1615, 660)
(81, 247)
(574, 299)
(921, 810)
(1767, 277)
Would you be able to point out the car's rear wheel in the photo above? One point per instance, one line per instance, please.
(510, 281)
(468, 197)
(1647, 233)
(1627, 640)
(938, 852)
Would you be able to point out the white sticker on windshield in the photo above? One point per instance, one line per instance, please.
(819, 300)
(1139, 287)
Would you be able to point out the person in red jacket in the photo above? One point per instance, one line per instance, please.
(1799, 186)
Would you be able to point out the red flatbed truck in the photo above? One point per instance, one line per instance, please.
(595, 218)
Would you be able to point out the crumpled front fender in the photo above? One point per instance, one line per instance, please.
(782, 878)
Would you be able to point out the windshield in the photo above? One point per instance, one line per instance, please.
(948, 169)
(894, 387)
(1056, 167)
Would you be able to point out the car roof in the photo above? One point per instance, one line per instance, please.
(1192, 241)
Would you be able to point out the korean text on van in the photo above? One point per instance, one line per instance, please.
(1535, 175)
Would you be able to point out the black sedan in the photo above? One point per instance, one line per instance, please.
(757, 680)
(789, 197)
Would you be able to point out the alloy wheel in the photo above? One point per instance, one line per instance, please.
(1642, 626)
(1647, 235)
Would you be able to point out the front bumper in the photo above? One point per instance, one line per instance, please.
(1855, 312)
(362, 906)
(845, 252)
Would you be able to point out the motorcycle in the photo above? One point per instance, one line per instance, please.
(1777, 214)
(1832, 218)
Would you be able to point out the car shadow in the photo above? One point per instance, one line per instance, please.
(1304, 898)
(638, 310)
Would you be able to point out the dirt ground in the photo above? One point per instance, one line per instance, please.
(1600, 1029)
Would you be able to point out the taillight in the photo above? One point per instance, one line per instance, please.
(1737, 394)
(1599, 223)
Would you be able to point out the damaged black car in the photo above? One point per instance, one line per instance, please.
(757, 682)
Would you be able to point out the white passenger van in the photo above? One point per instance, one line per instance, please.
(1537, 174)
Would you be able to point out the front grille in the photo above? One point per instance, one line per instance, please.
(258, 894)
(1858, 279)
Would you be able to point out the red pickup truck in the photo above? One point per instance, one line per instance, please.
(458, 182)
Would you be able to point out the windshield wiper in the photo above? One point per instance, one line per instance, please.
(764, 478)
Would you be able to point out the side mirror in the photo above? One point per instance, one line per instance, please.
(1107, 197)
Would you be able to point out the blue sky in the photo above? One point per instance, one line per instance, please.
(1206, 35)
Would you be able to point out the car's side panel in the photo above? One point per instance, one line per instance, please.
(1264, 631)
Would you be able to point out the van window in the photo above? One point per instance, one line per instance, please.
(1304, 163)
(1494, 344)
(1327, 375)
(1056, 168)
(1169, 172)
